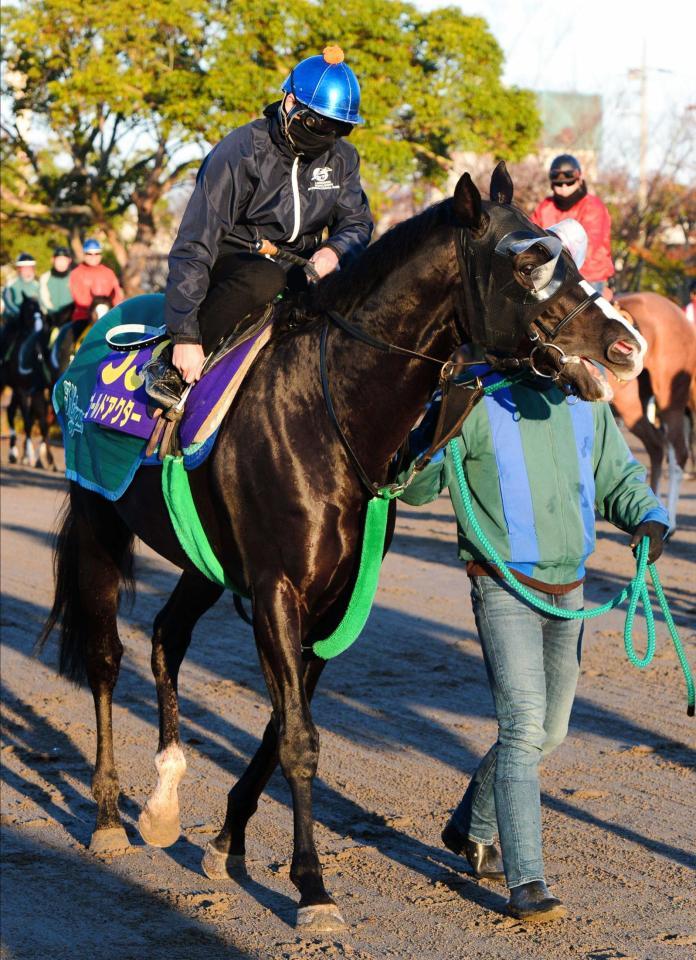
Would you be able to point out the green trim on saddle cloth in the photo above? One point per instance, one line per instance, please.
(192, 537)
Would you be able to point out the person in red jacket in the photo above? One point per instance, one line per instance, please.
(93, 279)
(570, 198)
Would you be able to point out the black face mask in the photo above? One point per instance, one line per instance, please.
(308, 143)
(306, 132)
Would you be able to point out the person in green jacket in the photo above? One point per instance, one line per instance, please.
(55, 295)
(26, 285)
(538, 463)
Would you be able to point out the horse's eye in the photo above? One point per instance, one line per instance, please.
(527, 269)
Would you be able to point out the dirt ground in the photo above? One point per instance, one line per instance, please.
(404, 716)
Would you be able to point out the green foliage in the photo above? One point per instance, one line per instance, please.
(125, 92)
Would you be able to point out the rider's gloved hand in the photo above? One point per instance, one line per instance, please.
(656, 532)
(188, 358)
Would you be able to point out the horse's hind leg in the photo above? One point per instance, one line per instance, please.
(225, 855)
(93, 554)
(159, 823)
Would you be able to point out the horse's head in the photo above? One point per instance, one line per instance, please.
(99, 307)
(30, 314)
(528, 298)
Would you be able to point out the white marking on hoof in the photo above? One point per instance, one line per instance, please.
(45, 459)
(321, 918)
(109, 840)
(222, 866)
(29, 458)
(159, 821)
(14, 453)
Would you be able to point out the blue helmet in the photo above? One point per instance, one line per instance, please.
(92, 246)
(326, 85)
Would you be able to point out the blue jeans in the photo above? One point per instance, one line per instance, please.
(533, 663)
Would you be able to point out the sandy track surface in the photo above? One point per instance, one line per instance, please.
(404, 716)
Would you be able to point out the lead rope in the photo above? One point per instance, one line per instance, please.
(636, 590)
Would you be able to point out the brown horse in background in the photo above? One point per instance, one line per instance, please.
(668, 375)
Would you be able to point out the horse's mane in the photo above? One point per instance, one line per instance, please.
(364, 273)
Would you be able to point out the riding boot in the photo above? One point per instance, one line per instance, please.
(532, 903)
(483, 858)
(163, 382)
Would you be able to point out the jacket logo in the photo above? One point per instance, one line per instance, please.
(321, 179)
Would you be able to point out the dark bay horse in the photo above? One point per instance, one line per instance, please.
(282, 503)
(26, 370)
(670, 369)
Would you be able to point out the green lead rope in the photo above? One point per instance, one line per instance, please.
(636, 590)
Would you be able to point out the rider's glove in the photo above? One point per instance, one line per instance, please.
(656, 532)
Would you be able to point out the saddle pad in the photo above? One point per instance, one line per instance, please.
(103, 388)
(119, 401)
(101, 460)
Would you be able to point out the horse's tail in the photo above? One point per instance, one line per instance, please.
(67, 610)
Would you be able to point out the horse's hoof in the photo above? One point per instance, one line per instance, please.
(109, 840)
(13, 455)
(222, 866)
(321, 918)
(158, 832)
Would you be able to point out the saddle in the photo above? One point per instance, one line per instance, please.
(166, 387)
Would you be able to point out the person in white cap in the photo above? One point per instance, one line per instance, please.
(25, 286)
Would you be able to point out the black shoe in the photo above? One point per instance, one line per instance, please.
(163, 382)
(532, 903)
(483, 858)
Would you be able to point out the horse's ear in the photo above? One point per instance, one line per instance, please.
(467, 202)
(501, 184)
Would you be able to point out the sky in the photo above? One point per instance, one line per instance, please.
(590, 47)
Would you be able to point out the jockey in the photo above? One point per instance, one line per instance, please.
(539, 464)
(289, 178)
(93, 279)
(26, 285)
(55, 295)
(569, 198)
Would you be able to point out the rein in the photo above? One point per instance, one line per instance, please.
(448, 370)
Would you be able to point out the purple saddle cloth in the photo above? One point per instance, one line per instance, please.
(119, 401)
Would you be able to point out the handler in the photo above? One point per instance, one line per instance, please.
(538, 464)
(289, 178)
(570, 198)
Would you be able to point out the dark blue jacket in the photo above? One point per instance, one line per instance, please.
(251, 186)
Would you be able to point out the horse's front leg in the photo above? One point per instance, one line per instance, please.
(225, 855)
(159, 823)
(279, 627)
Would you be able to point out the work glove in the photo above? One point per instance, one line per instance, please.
(656, 532)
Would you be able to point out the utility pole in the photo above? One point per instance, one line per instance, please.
(643, 168)
(642, 75)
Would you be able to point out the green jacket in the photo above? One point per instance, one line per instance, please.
(538, 464)
(55, 291)
(14, 293)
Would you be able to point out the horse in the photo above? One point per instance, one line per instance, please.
(26, 370)
(70, 336)
(670, 369)
(284, 492)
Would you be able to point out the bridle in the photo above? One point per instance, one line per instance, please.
(449, 369)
